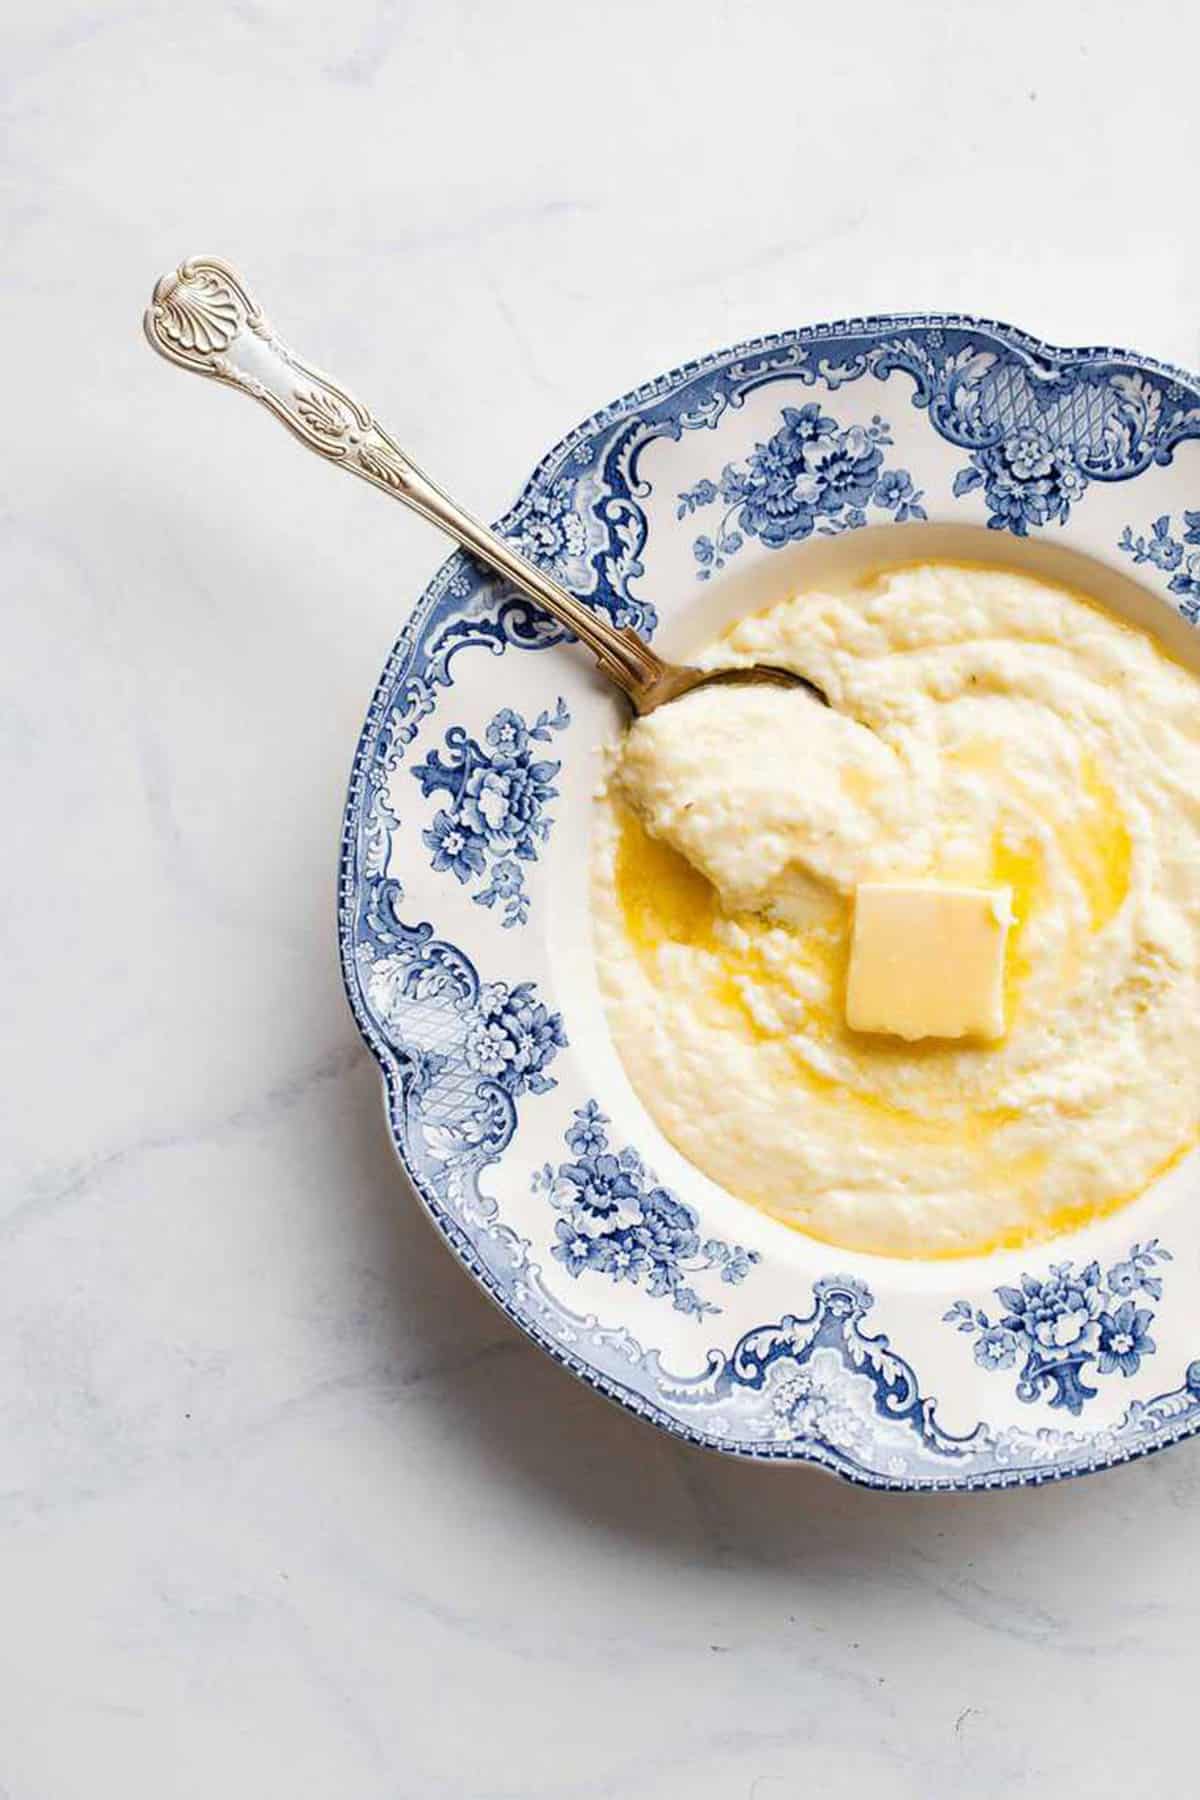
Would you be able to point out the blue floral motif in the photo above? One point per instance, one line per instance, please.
(811, 475)
(513, 1037)
(442, 1020)
(586, 1135)
(996, 1348)
(807, 1406)
(896, 494)
(1065, 1321)
(552, 533)
(454, 847)
(825, 1378)
(496, 817)
(1026, 481)
(1125, 1338)
(618, 1221)
(1177, 556)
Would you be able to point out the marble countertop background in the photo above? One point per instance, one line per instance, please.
(285, 1508)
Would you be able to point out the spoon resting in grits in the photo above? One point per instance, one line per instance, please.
(203, 318)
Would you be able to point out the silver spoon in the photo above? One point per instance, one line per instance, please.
(203, 318)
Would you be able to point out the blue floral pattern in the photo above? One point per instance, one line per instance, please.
(811, 475)
(1066, 1320)
(501, 1035)
(513, 1037)
(811, 1407)
(1026, 480)
(1176, 555)
(497, 813)
(826, 1381)
(552, 532)
(616, 1220)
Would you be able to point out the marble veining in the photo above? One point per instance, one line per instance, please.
(285, 1506)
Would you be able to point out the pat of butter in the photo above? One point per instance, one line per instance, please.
(927, 959)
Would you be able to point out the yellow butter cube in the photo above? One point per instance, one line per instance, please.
(927, 959)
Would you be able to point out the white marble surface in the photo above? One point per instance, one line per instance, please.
(285, 1508)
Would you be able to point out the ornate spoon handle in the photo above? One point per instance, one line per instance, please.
(203, 318)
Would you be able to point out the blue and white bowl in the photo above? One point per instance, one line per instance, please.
(465, 933)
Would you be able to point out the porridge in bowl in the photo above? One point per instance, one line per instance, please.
(990, 733)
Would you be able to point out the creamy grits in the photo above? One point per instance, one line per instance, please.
(989, 728)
